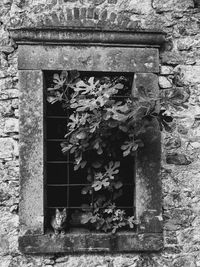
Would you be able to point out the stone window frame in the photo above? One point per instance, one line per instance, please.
(89, 50)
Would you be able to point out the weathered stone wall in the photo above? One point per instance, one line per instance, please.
(180, 85)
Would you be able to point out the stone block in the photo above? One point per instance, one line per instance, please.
(89, 58)
(197, 4)
(147, 82)
(6, 110)
(174, 57)
(96, 14)
(6, 148)
(83, 12)
(6, 261)
(11, 126)
(6, 83)
(164, 82)
(93, 242)
(16, 113)
(9, 93)
(188, 74)
(104, 15)
(76, 13)
(187, 43)
(6, 49)
(171, 5)
(69, 14)
(182, 129)
(49, 261)
(60, 264)
(15, 103)
(112, 16)
(15, 148)
(147, 182)
(166, 70)
(112, 1)
(7, 2)
(90, 13)
(93, 2)
(4, 196)
(62, 259)
(31, 207)
(177, 159)
(173, 142)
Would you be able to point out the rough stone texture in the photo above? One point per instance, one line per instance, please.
(177, 159)
(170, 5)
(11, 125)
(89, 58)
(31, 152)
(180, 183)
(164, 82)
(6, 148)
(148, 186)
(121, 242)
(146, 81)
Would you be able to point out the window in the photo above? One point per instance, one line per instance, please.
(128, 53)
(72, 189)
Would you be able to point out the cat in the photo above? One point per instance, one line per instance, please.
(58, 221)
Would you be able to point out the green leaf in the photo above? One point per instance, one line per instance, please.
(118, 185)
(83, 163)
(111, 169)
(89, 178)
(72, 150)
(60, 80)
(85, 218)
(81, 135)
(76, 167)
(85, 190)
(96, 164)
(99, 151)
(119, 86)
(117, 194)
(85, 207)
(105, 182)
(52, 99)
(74, 74)
(96, 145)
(97, 185)
(128, 147)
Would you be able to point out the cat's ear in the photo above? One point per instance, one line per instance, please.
(64, 211)
(57, 212)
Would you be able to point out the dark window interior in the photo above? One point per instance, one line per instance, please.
(63, 184)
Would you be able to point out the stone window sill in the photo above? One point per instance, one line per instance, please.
(91, 242)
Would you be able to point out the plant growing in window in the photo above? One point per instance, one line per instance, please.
(105, 124)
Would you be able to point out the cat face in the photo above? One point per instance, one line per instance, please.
(61, 216)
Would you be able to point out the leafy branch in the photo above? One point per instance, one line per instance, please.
(105, 125)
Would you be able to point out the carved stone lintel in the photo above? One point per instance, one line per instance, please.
(87, 36)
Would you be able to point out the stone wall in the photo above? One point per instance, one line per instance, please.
(180, 87)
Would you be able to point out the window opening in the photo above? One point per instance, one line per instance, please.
(67, 188)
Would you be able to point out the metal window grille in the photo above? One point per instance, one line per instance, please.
(63, 184)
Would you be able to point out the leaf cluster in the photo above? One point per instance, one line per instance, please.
(104, 125)
(108, 218)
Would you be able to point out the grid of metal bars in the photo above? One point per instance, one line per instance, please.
(64, 185)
